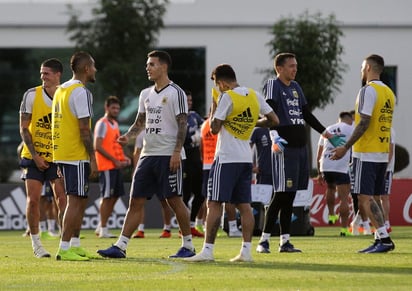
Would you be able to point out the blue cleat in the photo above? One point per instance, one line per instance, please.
(382, 247)
(371, 247)
(113, 252)
(263, 247)
(287, 247)
(183, 253)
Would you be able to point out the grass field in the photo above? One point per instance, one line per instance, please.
(328, 262)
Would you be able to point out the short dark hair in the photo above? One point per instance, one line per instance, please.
(376, 62)
(78, 60)
(223, 72)
(281, 58)
(344, 114)
(111, 100)
(163, 56)
(54, 64)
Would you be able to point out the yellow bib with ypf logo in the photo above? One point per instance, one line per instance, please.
(40, 128)
(67, 142)
(376, 138)
(245, 113)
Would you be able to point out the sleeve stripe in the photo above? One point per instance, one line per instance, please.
(180, 97)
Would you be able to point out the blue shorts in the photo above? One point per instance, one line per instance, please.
(76, 178)
(388, 182)
(336, 178)
(290, 169)
(30, 171)
(264, 179)
(111, 183)
(368, 177)
(153, 176)
(230, 182)
(205, 177)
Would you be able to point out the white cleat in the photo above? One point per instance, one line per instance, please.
(242, 258)
(107, 235)
(40, 252)
(200, 257)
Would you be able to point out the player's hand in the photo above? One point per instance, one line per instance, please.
(123, 139)
(93, 169)
(174, 162)
(278, 143)
(41, 163)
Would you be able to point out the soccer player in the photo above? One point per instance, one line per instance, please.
(230, 178)
(163, 115)
(289, 154)
(370, 141)
(110, 160)
(336, 172)
(73, 151)
(36, 155)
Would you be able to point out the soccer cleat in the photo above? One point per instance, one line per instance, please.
(236, 233)
(332, 219)
(113, 252)
(367, 231)
(40, 252)
(379, 247)
(69, 255)
(165, 234)
(201, 257)
(45, 235)
(345, 232)
(83, 253)
(139, 234)
(196, 233)
(242, 258)
(26, 233)
(263, 247)
(54, 233)
(287, 247)
(371, 247)
(183, 253)
(200, 228)
(107, 235)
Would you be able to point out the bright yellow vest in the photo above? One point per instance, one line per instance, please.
(40, 128)
(377, 137)
(67, 143)
(245, 113)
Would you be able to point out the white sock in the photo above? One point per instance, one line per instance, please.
(187, 242)
(246, 247)
(284, 238)
(192, 224)
(199, 222)
(122, 242)
(141, 227)
(208, 249)
(382, 232)
(43, 226)
(35, 240)
(365, 225)
(387, 224)
(233, 225)
(167, 227)
(51, 224)
(75, 242)
(104, 230)
(265, 236)
(64, 245)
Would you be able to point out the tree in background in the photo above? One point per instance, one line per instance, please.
(119, 36)
(315, 42)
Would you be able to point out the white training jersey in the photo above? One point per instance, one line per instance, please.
(326, 164)
(161, 109)
(228, 148)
